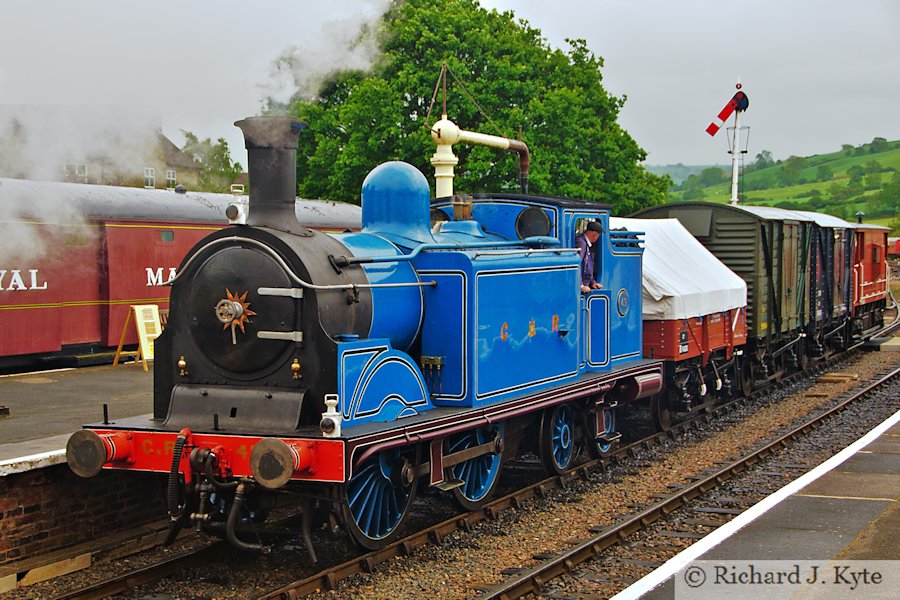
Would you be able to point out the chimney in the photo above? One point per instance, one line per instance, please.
(271, 144)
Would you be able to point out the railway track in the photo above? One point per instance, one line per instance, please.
(149, 574)
(533, 579)
(330, 577)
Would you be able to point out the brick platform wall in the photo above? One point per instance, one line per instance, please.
(49, 509)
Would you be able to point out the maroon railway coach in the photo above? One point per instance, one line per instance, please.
(870, 279)
(75, 257)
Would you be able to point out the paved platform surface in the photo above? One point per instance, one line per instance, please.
(47, 406)
(851, 511)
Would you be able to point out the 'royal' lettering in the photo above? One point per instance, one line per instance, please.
(155, 277)
(34, 283)
(17, 283)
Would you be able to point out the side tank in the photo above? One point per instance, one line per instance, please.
(395, 216)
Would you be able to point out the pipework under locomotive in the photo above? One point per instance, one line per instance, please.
(351, 369)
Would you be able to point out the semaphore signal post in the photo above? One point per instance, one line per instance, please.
(738, 104)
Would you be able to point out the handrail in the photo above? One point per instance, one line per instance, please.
(296, 278)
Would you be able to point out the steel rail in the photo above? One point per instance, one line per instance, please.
(330, 577)
(149, 574)
(533, 579)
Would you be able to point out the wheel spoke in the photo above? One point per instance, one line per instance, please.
(369, 510)
(359, 487)
(392, 504)
(561, 442)
(376, 505)
(469, 476)
(478, 474)
(376, 529)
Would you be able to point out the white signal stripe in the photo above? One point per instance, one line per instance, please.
(722, 117)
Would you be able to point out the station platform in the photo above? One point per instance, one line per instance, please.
(846, 509)
(45, 407)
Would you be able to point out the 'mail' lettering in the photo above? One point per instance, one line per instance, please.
(155, 277)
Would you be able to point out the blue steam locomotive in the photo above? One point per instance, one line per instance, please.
(445, 338)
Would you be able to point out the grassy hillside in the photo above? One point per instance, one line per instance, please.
(865, 178)
(680, 172)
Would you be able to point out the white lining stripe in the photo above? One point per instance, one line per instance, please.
(843, 497)
(33, 373)
(672, 566)
(34, 461)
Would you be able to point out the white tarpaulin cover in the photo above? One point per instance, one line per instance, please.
(681, 279)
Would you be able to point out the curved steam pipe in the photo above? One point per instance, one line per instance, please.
(231, 524)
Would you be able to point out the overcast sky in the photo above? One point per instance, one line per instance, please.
(818, 73)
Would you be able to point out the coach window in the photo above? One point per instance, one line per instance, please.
(149, 177)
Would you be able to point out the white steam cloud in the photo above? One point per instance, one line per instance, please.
(56, 143)
(343, 44)
(202, 77)
(41, 142)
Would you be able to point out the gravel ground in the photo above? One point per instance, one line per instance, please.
(623, 564)
(467, 560)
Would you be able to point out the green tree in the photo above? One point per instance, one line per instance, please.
(765, 181)
(764, 159)
(695, 193)
(711, 176)
(855, 187)
(217, 170)
(824, 173)
(886, 202)
(879, 144)
(791, 205)
(873, 166)
(790, 171)
(838, 192)
(872, 181)
(568, 120)
(815, 203)
(855, 173)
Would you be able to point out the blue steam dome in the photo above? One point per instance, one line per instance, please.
(396, 202)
